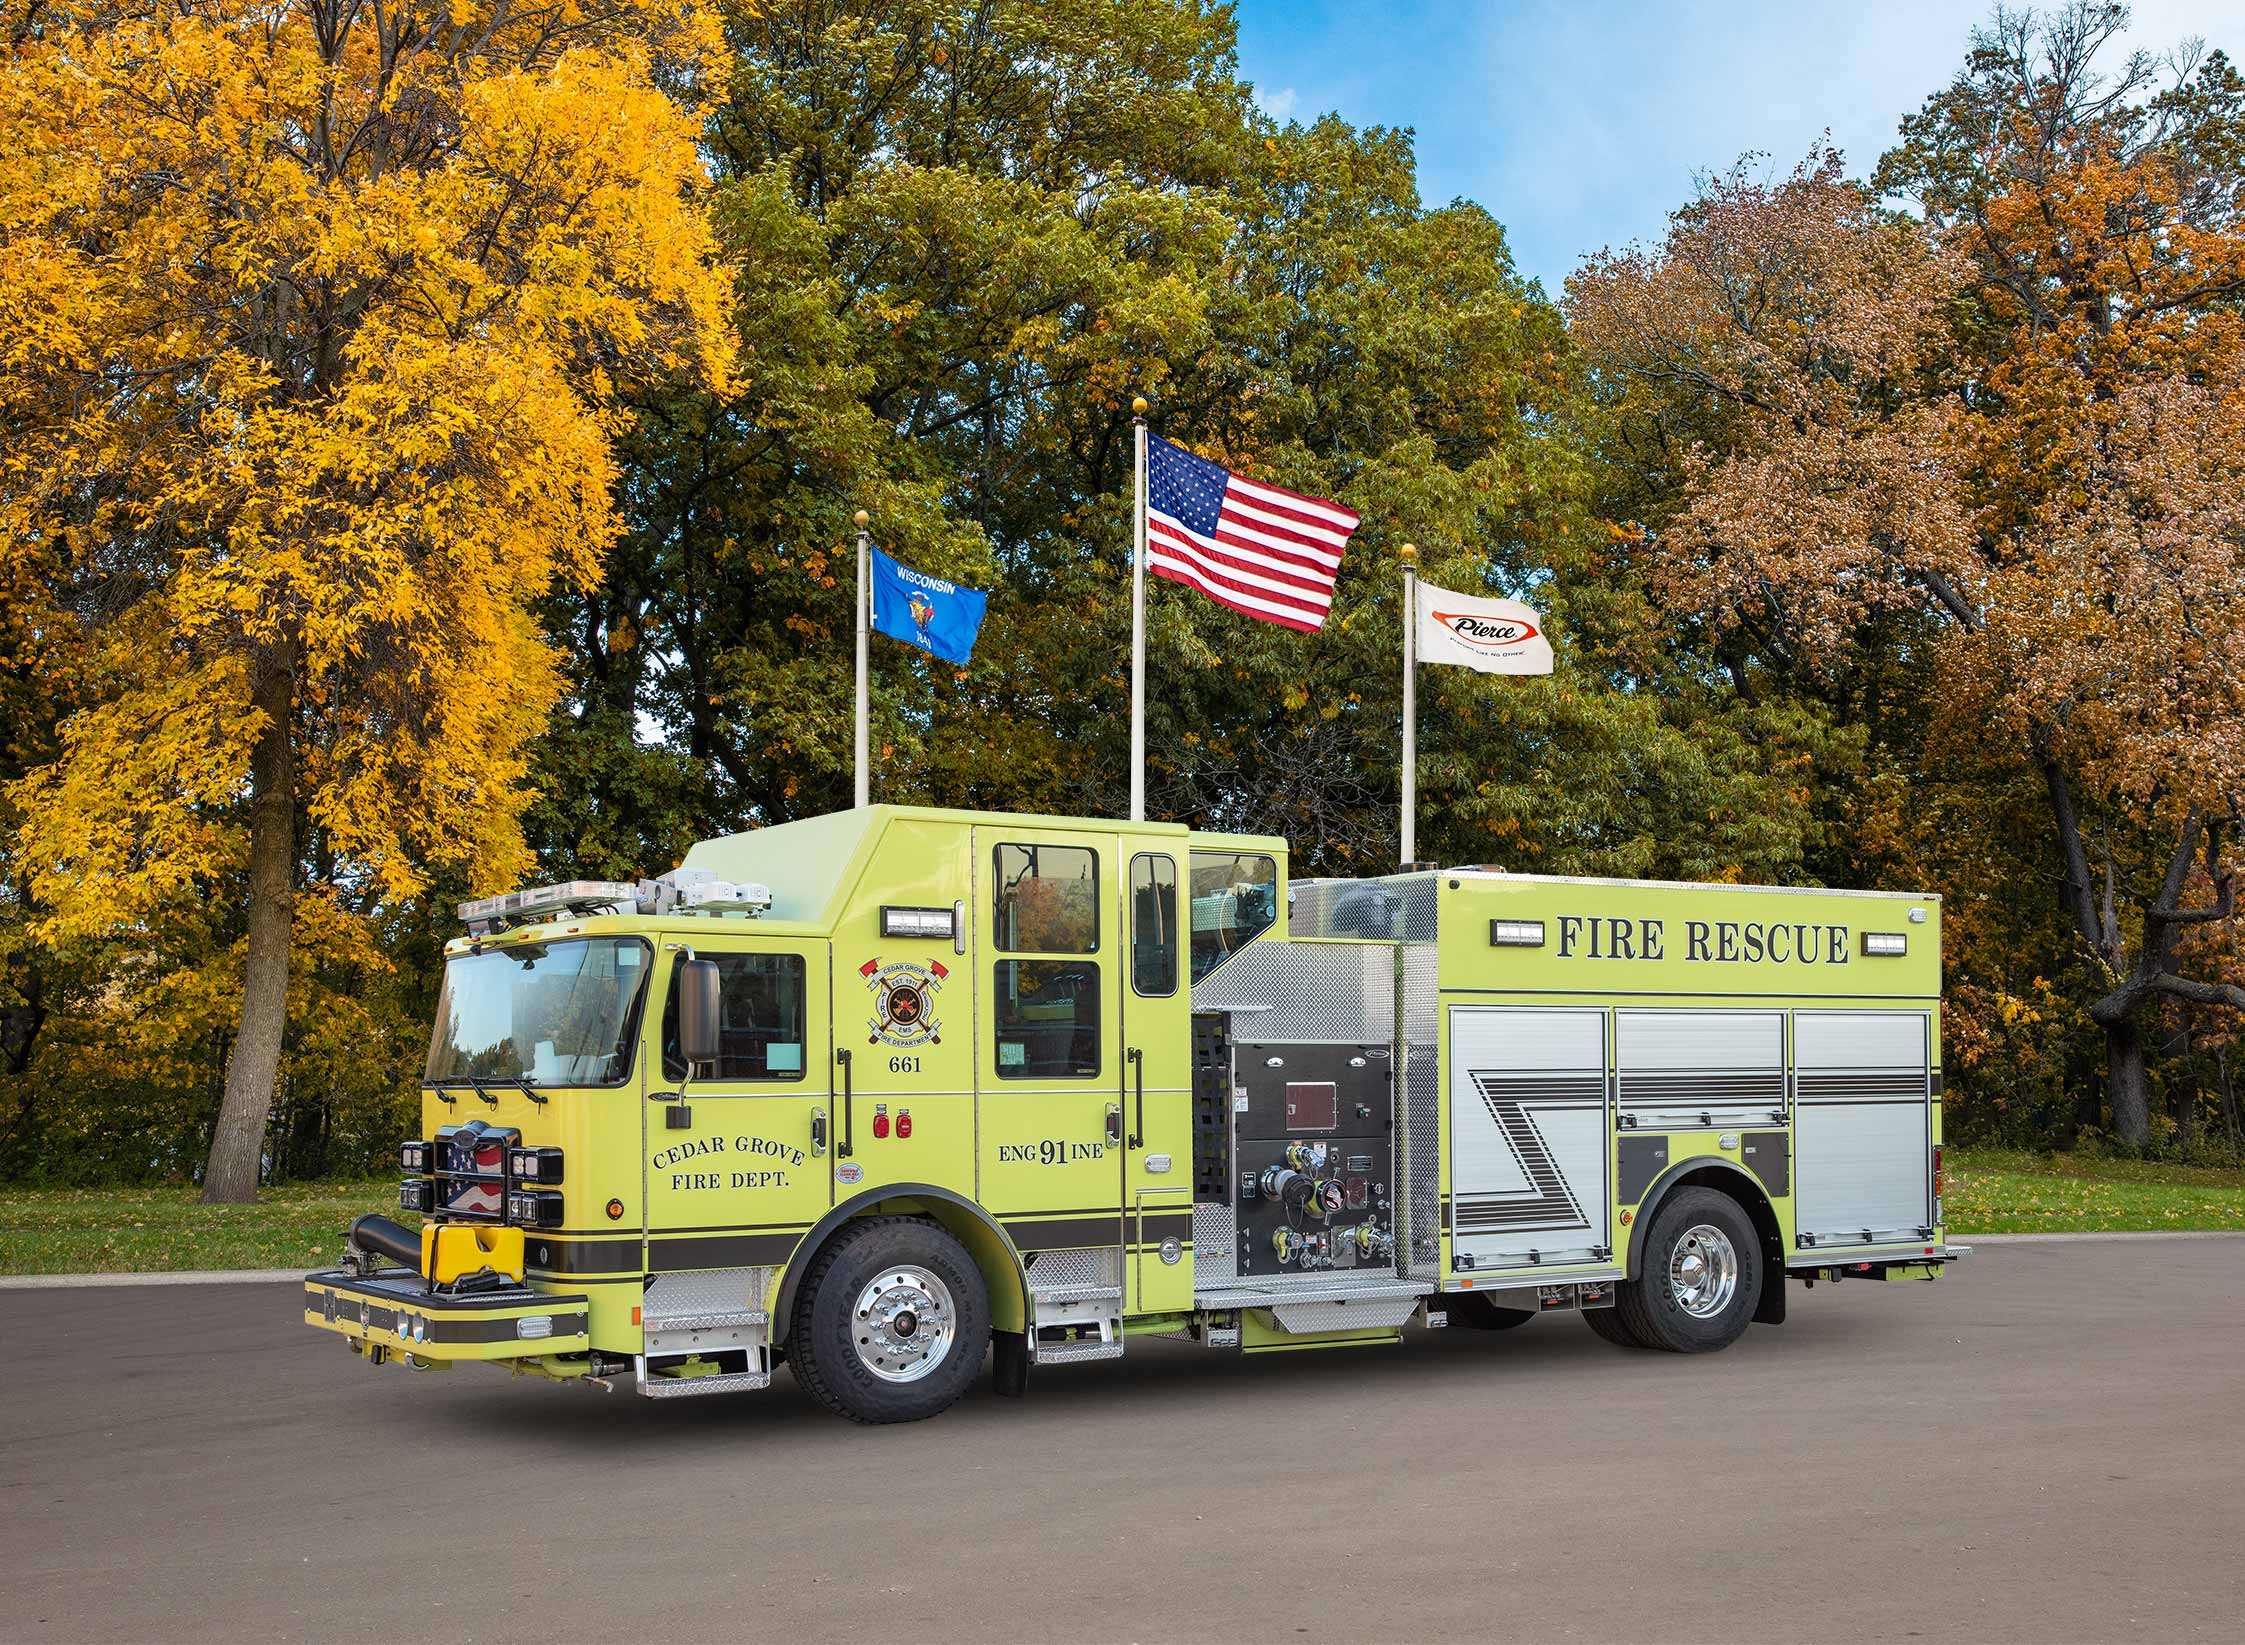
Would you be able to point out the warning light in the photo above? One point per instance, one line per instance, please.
(880, 1123)
(904, 1122)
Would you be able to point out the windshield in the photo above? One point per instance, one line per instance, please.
(557, 1013)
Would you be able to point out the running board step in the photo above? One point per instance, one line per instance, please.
(707, 1332)
(1067, 1353)
(1078, 1293)
(731, 1382)
(1282, 1293)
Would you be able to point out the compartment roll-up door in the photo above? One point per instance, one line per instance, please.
(1528, 1136)
(1862, 1125)
(1711, 1069)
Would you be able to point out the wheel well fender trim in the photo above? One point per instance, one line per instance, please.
(864, 1203)
(1753, 1199)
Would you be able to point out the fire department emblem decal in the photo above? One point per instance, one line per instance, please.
(904, 1010)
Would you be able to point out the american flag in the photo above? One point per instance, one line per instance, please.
(1257, 548)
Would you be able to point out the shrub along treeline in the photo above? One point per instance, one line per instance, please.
(1893, 534)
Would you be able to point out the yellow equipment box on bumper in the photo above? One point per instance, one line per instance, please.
(400, 1313)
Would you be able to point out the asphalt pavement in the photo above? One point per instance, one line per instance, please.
(2048, 1445)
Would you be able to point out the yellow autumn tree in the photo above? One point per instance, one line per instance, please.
(314, 317)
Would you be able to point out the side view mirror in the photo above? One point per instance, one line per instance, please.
(697, 1011)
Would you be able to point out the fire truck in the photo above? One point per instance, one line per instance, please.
(886, 1093)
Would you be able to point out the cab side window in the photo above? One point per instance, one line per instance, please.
(760, 1011)
(1047, 899)
(1046, 1012)
(1153, 926)
(1047, 1019)
(1235, 900)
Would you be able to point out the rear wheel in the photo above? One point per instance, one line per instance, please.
(1608, 1323)
(891, 1322)
(1702, 1271)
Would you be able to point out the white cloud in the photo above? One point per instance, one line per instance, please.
(1279, 104)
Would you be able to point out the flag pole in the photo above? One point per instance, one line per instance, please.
(1410, 557)
(1138, 618)
(859, 728)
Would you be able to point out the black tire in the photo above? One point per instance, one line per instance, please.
(1476, 1312)
(1608, 1323)
(1651, 1308)
(824, 1341)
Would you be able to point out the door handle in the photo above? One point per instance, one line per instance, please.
(1114, 1122)
(818, 1130)
(1138, 1075)
(847, 1145)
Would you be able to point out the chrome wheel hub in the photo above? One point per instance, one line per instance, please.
(1703, 1271)
(903, 1324)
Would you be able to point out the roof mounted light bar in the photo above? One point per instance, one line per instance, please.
(608, 896)
(681, 891)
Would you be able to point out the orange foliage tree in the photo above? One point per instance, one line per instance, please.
(2006, 444)
(312, 327)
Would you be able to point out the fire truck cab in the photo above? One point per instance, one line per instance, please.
(879, 1094)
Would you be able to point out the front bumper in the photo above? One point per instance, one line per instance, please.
(400, 1312)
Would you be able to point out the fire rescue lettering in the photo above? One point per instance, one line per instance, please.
(753, 1147)
(1719, 942)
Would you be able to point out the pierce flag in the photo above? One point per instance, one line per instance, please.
(1494, 636)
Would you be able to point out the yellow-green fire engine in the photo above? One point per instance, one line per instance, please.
(879, 1092)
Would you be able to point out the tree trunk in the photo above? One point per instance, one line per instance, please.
(2228, 1095)
(2124, 1083)
(238, 1142)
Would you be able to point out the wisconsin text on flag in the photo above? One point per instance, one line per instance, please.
(1257, 548)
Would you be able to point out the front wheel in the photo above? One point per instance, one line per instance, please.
(891, 1322)
(1702, 1272)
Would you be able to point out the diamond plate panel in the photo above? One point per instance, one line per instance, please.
(1215, 1244)
(1398, 908)
(1305, 993)
(1076, 1270)
(707, 1291)
(1366, 1314)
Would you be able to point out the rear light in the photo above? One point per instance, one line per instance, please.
(528, 1208)
(1940, 1182)
(534, 1164)
(414, 1156)
(417, 1194)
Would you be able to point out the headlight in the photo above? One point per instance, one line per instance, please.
(528, 1208)
(534, 1164)
(414, 1156)
(417, 1194)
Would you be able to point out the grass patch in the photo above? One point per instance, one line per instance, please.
(1994, 1191)
(153, 1230)
(156, 1230)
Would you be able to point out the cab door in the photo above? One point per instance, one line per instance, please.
(1050, 1069)
(1157, 1030)
(737, 1150)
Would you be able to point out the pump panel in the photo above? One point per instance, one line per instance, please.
(1314, 1157)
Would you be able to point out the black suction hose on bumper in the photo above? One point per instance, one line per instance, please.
(402, 1245)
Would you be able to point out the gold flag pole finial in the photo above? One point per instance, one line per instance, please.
(1409, 552)
(1138, 405)
(863, 519)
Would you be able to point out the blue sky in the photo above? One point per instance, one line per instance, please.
(1581, 126)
